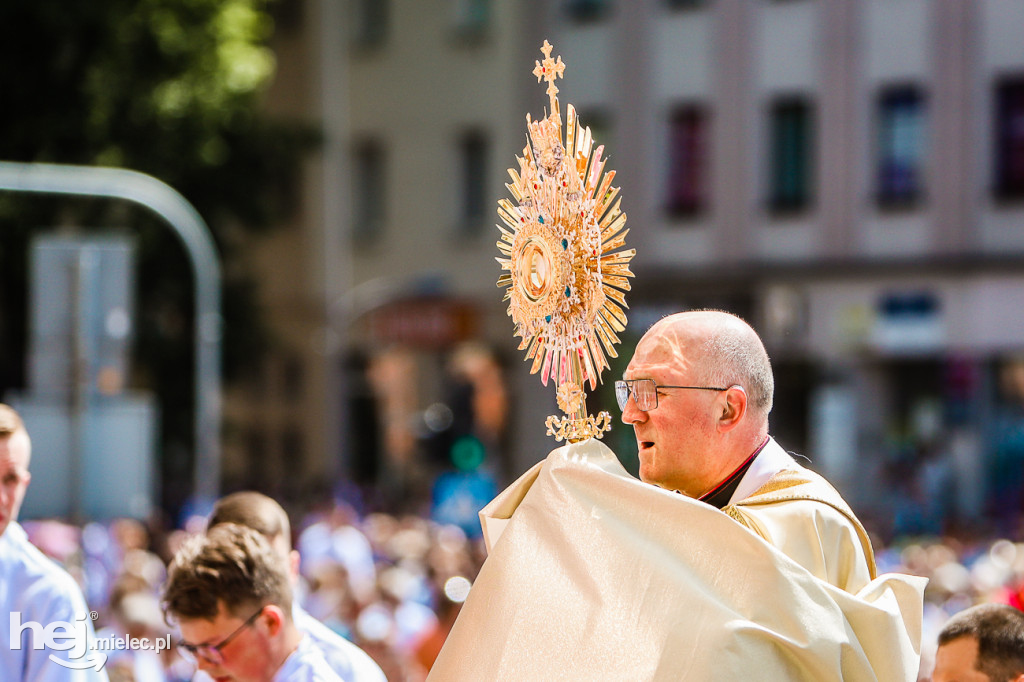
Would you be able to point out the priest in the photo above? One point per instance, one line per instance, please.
(728, 560)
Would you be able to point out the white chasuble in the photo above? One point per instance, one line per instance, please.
(595, 575)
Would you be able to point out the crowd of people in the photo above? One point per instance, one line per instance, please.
(391, 585)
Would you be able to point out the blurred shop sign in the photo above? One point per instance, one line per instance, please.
(114, 443)
(784, 311)
(81, 314)
(833, 431)
(459, 496)
(99, 439)
(423, 322)
(908, 321)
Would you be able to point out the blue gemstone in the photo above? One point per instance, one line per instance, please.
(565, 244)
(540, 219)
(547, 319)
(567, 292)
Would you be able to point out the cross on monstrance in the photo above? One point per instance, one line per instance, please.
(549, 70)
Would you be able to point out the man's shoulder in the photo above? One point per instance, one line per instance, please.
(307, 664)
(797, 483)
(27, 567)
(344, 657)
(797, 493)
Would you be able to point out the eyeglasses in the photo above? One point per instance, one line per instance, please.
(645, 392)
(211, 653)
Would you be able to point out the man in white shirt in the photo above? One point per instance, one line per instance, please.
(229, 593)
(266, 516)
(36, 593)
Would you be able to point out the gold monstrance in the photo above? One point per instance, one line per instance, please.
(566, 283)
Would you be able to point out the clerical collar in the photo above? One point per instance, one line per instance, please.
(720, 495)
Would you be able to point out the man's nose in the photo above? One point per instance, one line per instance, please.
(630, 413)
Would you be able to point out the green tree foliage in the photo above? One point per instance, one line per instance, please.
(171, 88)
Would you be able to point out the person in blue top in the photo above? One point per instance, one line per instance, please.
(46, 632)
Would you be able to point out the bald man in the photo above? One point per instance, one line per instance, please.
(697, 393)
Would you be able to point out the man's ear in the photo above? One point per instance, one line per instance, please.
(733, 407)
(273, 618)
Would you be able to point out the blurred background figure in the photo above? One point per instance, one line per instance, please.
(134, 612)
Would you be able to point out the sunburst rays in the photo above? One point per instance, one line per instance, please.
(561, 243)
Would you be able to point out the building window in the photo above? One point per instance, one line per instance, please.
(292, 445)
(685, 4)
(258, 464)
(471, 19)
(369, 22)
(368, 190)
(688, 161)
(292, 457)
(791, 147)
(1009, 153)
(473, 200)
(587, 10)
(293, 378)
(901, 146)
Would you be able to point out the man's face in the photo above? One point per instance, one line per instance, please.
(676, 439)
(246, 658)
(14, 476)
(955, 662)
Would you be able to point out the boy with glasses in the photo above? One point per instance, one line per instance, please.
(230, 595)
(264, 515)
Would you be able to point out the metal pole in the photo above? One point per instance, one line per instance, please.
(119, 183)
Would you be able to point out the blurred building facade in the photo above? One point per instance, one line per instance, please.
(847, 175)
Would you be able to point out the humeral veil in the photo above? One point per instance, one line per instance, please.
(595, 575)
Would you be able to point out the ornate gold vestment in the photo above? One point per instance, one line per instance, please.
(594, 575)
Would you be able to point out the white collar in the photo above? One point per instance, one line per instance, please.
(771, 460)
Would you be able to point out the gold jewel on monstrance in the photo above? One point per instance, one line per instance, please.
(565, 279)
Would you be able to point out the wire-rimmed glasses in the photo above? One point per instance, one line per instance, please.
(645, 392)
(212, 653)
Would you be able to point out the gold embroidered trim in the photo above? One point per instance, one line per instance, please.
(789, 479)
(734, 514)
